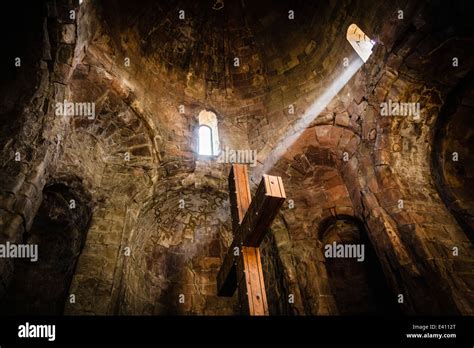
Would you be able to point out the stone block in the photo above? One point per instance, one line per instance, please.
(343, 119)
(68, 33)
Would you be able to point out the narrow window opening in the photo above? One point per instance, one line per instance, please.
(208, 144)
(361, 43)
(205, 141)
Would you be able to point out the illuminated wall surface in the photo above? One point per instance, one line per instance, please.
(121, 120)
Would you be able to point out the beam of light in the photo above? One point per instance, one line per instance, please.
(293, 133)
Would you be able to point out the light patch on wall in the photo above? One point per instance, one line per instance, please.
(361, 43)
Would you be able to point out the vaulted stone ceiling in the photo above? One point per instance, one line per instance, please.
(346, 170)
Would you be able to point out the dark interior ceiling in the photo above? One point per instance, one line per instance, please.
(271, 48)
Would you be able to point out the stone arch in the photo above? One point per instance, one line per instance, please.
(120, 165)
(356, 282)
(59, 230)
(27, 97)
(317, 191)
(177, 248)
(325, 145)
(453, 157)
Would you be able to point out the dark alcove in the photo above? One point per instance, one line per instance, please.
(59, 229)
(453, 154)
(359, 288)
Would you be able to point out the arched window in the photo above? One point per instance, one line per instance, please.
(205, 141)
(208, 144)
(361, 43)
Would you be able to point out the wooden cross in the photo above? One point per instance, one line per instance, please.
(251, 219)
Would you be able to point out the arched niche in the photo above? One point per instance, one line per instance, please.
(453, 154)
(357, 283)
(59, 230)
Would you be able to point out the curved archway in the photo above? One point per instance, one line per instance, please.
(58, 232)
(355, 276)
(453, 157)
(181, 250)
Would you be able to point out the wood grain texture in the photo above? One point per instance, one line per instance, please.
(251, 219)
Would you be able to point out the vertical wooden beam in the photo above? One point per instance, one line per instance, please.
(239, 193)
(250, 230)
(252, 296)
(256, 295)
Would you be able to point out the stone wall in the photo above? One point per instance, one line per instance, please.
(160, 217)
(29, 129)
(451, 156)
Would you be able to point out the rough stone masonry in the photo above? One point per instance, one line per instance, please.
(129, 219)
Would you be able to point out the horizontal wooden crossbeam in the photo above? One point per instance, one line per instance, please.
(265, 206)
